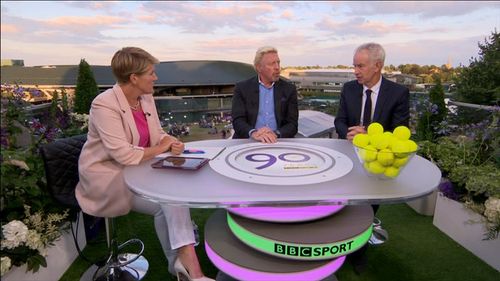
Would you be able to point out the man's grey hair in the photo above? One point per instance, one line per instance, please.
(375, 51)
(261, 52)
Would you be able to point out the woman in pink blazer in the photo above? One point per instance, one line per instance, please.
(124, 129)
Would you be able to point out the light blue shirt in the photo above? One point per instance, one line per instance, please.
(266, 117)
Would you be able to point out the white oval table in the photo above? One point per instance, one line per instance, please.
(207, 188)
(290, 213)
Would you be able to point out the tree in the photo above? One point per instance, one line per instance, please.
(427, 78)
(86, 88)
(390, 68)
(430, 121)
(436, 97)
(479, 83)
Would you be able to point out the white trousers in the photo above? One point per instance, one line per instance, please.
(172, 223)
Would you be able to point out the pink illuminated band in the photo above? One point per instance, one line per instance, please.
(287, 214)
(242, 273)
(298, 251)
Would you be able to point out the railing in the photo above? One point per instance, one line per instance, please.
(476, 106)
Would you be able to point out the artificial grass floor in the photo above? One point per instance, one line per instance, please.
(416, 251)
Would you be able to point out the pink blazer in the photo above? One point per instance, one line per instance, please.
(112, 144)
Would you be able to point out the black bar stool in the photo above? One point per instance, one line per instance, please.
(121, 266)
(61, 169)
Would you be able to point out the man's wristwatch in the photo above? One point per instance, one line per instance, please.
(251, 132)
(278, 133)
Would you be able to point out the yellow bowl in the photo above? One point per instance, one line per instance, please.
(384, 163)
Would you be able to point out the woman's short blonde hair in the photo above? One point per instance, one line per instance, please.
(261, 52)
(131, 60)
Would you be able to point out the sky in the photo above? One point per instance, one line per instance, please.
(306, 33)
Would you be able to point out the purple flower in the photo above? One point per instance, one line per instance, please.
(35, 93)
(18, 93)
(446, 187)
(4, 138)
(434, 109)
(52, 134)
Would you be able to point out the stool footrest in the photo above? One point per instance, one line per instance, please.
(128, 261)
(133, 271)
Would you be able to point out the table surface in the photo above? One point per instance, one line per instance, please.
(205, 188)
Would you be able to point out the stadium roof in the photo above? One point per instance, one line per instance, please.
(313, 124)
(176, 73)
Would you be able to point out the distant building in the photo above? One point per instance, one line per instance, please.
(178, 79)
(321, 80)
(332, 80)
(407, 80)
(10, 62)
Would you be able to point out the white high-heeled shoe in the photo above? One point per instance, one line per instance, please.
(183, 274)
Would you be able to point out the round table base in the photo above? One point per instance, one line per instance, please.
(241, 262)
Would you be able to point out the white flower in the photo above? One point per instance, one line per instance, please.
(37, 231)
(492, 212)
(4, 265)
(15, 233)
(34, 240)
(84, 118)
(43, 251)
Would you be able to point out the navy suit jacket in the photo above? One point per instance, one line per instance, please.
(245, 107)
(392, 108)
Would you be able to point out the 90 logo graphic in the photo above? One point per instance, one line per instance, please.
(271, 159)
(281, 164)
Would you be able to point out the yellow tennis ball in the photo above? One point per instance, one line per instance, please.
(385, 157)
(412, 146)
(391, 139)
(365, 165)
(375, 168)
(375, 128)
(402, 133)
(369, 153)
(400, 162)
(400, 148)
(388, 134)
(391, 172)
(361, 140)
(378, 141)
(384, 142)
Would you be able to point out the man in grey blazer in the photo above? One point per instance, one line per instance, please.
(370, 98)
(265, 106)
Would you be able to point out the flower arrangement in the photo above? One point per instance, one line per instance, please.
(469, 158)
(31, 220)
(26, 241)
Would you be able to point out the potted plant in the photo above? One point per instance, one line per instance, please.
(428, 116)
(31, 221)
(469, 161)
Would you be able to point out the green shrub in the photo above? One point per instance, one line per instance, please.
(86, 88)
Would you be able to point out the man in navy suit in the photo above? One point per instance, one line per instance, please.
(265, 106)
(391, 100)
(391, 108)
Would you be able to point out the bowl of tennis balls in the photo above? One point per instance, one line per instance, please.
(384, 154)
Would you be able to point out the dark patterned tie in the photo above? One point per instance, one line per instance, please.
(367, 113)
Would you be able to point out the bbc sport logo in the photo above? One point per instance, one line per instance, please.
(307, 251)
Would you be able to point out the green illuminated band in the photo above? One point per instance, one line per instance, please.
(298, 251)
